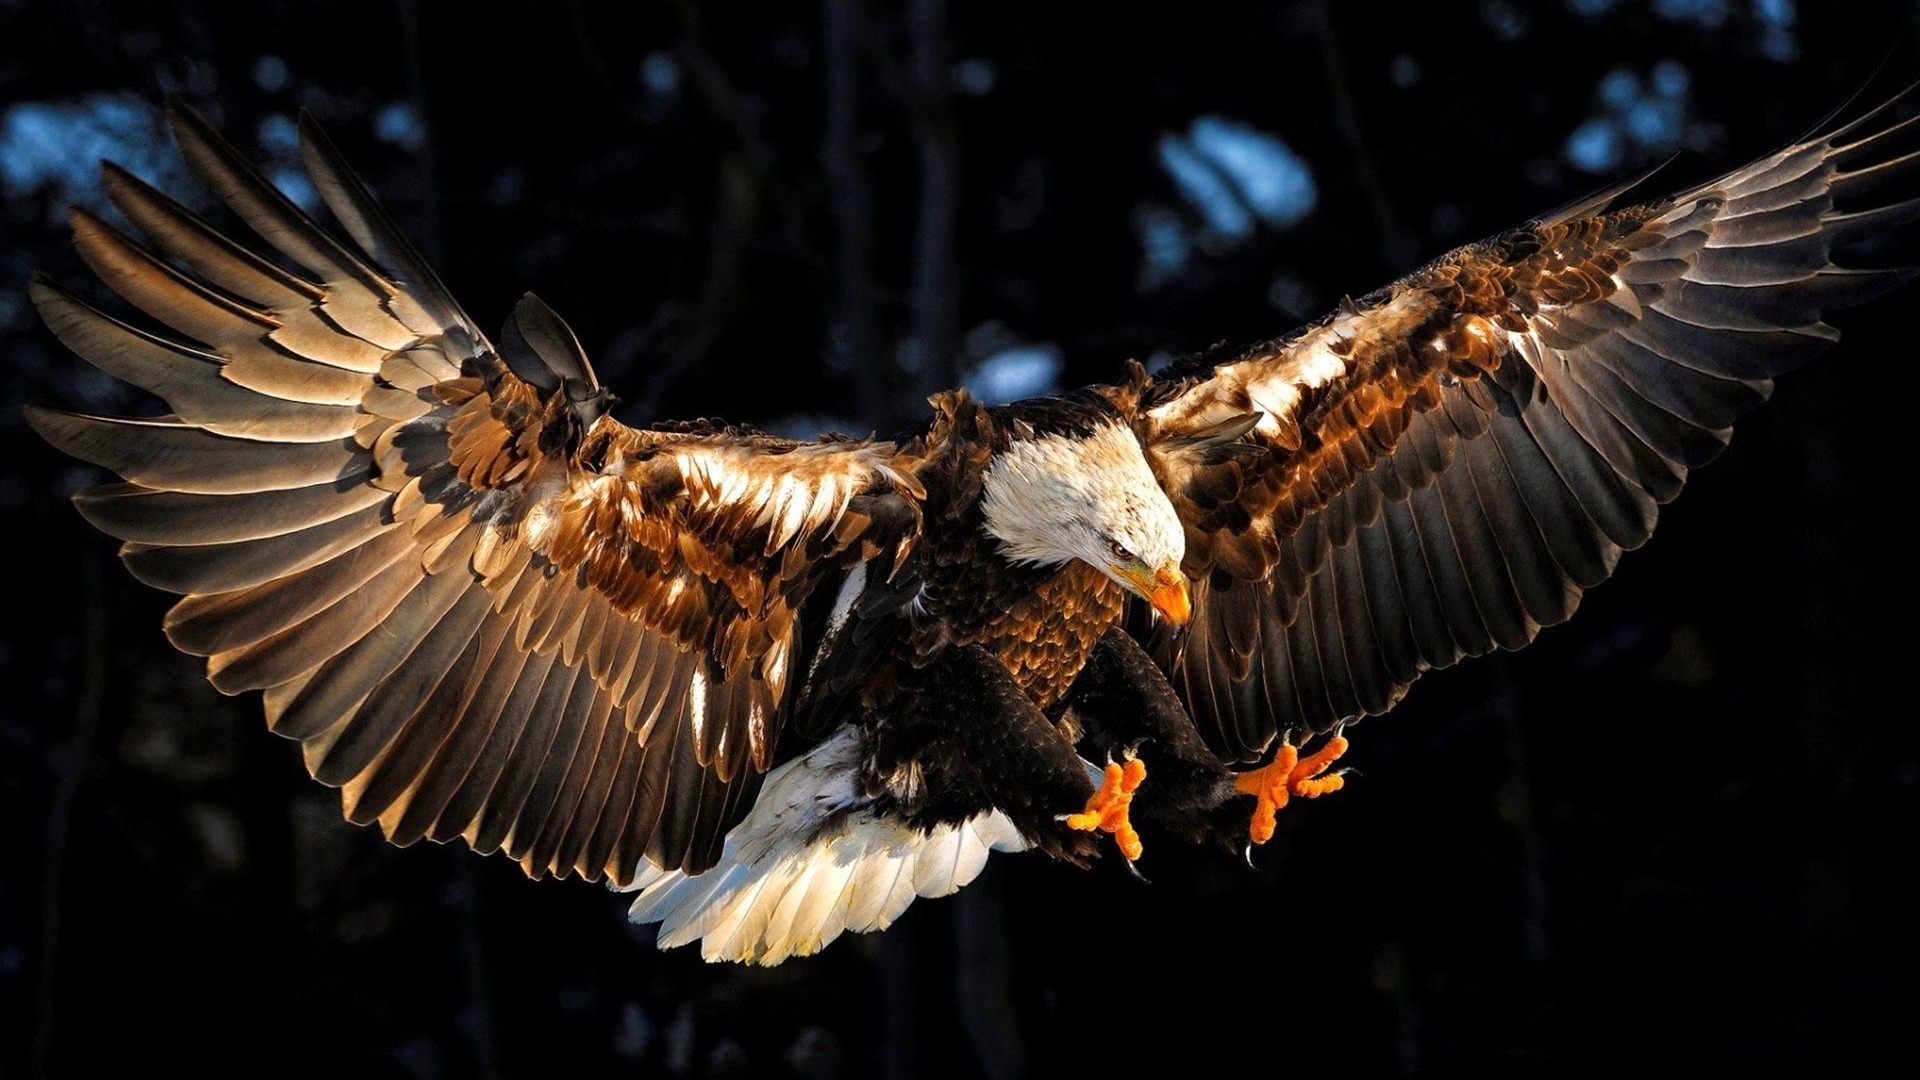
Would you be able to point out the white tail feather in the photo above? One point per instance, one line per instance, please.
(812, 860)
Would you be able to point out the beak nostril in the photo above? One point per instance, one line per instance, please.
(1170, 596)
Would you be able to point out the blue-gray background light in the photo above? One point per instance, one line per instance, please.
(1640, 119)
(1594, 146)
(278, 134)
(397, 123)
(1708, 13)
(1232, 172)
(660, 73)
(270, 73)
(974, 76)
(1011, 374)
(294, 184)
(62, 144)
(1507, 20)
(1163, 242)
(1778, 20)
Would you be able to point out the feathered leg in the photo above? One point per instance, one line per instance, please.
(1126, 706)
(961, 739)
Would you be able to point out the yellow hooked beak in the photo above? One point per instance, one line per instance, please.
(1165, 589)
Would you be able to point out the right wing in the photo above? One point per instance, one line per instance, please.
(1445, 466)
(485, 608)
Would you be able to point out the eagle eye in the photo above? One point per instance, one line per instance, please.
(1119, 551)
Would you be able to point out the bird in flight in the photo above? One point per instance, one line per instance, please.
(780, 688)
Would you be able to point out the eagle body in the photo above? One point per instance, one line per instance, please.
(977, 614)
(781, 688)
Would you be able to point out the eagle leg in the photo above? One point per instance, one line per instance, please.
(1122, 699)
(1287, 775)
(960, 738)
(1108, 809)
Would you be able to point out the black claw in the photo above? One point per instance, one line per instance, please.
(1135, 871)
(1247, 854)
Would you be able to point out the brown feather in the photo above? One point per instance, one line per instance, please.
(243, 564)
(192, 383)
(299, 622)
(132, 512)
(563, 690)
(207, 624)
(168, 455)
(469, 766)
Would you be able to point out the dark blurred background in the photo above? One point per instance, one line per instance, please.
(1680, 829)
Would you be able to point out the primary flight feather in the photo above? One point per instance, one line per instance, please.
(781, 688)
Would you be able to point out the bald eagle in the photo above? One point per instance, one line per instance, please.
(780, 688)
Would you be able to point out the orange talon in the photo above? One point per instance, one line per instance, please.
(1287, 775)
(1107, 809)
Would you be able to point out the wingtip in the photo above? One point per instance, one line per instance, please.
(198, 138)
(56, 427)
(314, 139)
(79, 217)
(48, 422)
(181, 115)
(43, 291)
(113, 175)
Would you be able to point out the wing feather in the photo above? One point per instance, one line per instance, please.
(577, 809)
(471, 764)
(394, 737)
(512, 798)
(191, 382)
(131, 512)
(502, 670)
(533, 837)
(167, 454)
(242, 564)
(229, 626)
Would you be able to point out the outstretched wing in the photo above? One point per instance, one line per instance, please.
(1443, 467)
(485, 608)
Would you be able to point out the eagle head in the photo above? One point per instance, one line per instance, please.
(1092, 497)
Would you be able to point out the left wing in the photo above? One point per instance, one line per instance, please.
(485, 608)
(1445, 466)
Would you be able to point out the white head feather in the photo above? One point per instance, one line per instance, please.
(1061, 497)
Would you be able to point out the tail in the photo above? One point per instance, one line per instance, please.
(812, 860)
